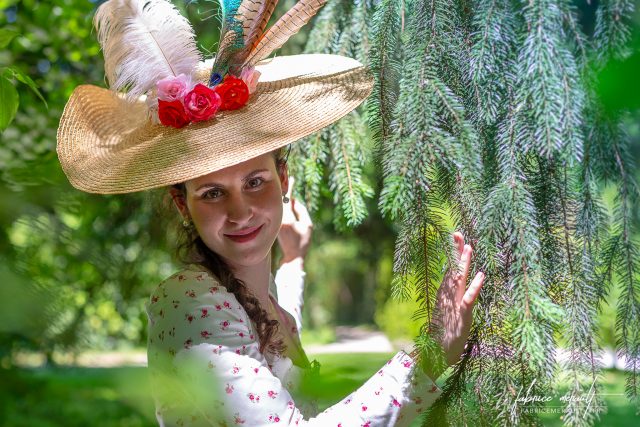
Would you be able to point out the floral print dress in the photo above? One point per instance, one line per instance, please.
(206, 368)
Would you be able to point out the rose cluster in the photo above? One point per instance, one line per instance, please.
(180, 102)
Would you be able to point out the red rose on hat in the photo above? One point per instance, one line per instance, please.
(201, 103)
(172, 114)
(233, 91)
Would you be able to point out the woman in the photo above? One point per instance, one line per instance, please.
(197, 317)
(223, 350)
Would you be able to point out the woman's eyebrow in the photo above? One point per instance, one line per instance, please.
(249, 176)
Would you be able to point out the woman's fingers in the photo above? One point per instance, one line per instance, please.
(472, 293)
(292, 182)
(464, 264)
(465, 261)
(288, 217)
(301, 212)
(458, 239)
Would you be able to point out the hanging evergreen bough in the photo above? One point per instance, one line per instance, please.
(486, 112)
(344, 147)
(384, 62)
(612, 32)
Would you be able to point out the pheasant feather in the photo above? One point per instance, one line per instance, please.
(288, 25)
(255, 15)
(231, 39)
(144, 41)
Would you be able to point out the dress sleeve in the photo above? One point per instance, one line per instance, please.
(290, 289)
(225, 380)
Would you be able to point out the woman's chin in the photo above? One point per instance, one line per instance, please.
(247, 257)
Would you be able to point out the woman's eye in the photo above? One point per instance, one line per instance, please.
(254, 182)
(212, 194)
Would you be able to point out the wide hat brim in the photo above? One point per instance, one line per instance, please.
(107, 145)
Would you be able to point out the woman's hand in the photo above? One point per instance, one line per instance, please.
(452, 316)
(295, 233)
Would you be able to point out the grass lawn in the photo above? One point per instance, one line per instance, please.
(120, 396)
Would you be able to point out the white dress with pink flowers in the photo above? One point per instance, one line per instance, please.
(206, 368)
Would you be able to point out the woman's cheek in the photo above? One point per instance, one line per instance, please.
(209, 221)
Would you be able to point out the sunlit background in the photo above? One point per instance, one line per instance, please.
(76, 269)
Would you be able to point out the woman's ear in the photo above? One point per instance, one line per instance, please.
(180, 201)
(283, 174)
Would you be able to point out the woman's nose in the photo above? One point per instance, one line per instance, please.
(239, 209)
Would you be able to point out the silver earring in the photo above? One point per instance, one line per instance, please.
(285, 199)
(186, 223)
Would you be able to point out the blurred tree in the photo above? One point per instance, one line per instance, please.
(93, 257)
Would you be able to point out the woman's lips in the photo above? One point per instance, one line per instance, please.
(244, 235)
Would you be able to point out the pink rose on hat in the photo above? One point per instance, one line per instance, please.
(173, 88)
(250, 77)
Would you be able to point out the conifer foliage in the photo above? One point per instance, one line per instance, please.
(485, 111)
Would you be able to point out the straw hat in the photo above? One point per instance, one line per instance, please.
(109, 141)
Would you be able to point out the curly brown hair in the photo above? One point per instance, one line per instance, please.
(191, 249)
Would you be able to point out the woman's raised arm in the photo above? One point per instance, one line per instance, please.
(294, 238)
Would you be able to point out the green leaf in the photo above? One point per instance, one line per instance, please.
(8, 102)
(22, 77)
(7, 3)
(6, 36)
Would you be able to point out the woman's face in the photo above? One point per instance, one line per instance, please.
(237, 211)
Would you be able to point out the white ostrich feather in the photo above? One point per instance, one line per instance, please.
(144, 41)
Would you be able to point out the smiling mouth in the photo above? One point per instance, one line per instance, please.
(244, 235)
